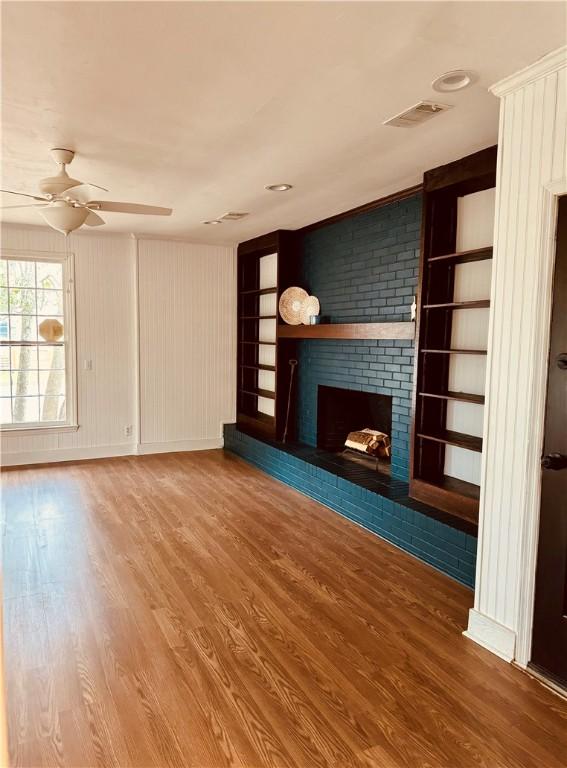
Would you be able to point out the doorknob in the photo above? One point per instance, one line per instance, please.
(554, 461)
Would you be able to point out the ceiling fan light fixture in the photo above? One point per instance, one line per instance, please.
(213, 221)
(455, 80)
(64, 217)
(278, 187)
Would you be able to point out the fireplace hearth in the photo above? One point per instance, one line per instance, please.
(340, 411)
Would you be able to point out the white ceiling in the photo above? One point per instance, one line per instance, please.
(197, 106)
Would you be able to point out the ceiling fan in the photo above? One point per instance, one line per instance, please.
(65, 203)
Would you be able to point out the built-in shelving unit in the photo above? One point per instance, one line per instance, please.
(266, 266)
(446, 320)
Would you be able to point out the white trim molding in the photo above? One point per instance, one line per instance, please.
(491, 635)
(551, 62)
(55, 455)
(174, 446)
(531, 175)
(51, 456)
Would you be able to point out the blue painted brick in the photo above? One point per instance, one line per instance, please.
(363, 269)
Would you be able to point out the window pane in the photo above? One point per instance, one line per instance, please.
(50, 328)
(32, 321)
(21, 273)
(5, 390)
(50, 303)
(22, 301)
(23, 328)
(52, 382)
(52, 408)
(24, 383)
(49, 274)
(25, 409)
(51, 358)
(5, 410)
(24, 358)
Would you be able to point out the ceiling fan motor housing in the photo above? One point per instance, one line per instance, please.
(56, 185)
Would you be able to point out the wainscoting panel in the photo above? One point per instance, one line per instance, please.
(187, 337)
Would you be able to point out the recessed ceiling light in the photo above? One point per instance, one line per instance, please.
(233, 216)
(213, 221)
(278, 187)
(455, 80)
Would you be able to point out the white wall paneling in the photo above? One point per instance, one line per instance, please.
(157, 319)
(104, 301)
(187, 311)
(531, 174)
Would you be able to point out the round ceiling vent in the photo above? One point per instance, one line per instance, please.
(455, 80)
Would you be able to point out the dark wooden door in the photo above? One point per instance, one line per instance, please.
(550, 618)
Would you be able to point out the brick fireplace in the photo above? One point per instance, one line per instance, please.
(363, 269)
(340, 411)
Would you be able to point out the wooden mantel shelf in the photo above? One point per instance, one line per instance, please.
(348, 331)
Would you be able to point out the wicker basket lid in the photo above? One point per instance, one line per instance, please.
(309, 307)
(291, 304)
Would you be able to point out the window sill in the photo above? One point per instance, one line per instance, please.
(30, 431)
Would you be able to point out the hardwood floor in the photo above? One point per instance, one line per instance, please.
(187, 610)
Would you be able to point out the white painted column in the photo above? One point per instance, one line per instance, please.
(531, 175)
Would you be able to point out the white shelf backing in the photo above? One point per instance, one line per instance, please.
(467, 373)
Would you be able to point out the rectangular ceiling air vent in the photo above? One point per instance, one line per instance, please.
(417, 114)
(233, 216)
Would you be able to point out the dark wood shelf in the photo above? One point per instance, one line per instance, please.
(460, 439)
(478, 304)
(450, 494)
(258, 367)
(260, 393)
(258, 292)
(463, 257)
(456, 351)
(258, 317)
(257, 343)
(463, 397)
(443, 187)
(348, 331)
(462, 487)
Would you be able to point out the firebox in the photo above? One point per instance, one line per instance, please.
(340, 411)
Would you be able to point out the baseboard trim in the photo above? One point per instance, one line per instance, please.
(51, 456)
(173, 446)
(54, 456)
(491, 635)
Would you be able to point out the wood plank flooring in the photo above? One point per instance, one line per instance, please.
(187, 610)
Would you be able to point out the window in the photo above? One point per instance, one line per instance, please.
(37, 367)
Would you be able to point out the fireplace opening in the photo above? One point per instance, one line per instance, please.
(342, 411)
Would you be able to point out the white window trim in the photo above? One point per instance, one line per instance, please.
(71, 423)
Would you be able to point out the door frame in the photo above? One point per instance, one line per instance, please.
(541, 330)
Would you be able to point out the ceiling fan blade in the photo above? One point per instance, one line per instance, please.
(93, 220)
(84, 190)
(108, 205)
(28, 205)
(24, 194)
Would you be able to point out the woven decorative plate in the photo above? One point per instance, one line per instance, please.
(50, 330)
(309, 307)
(291, 303)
